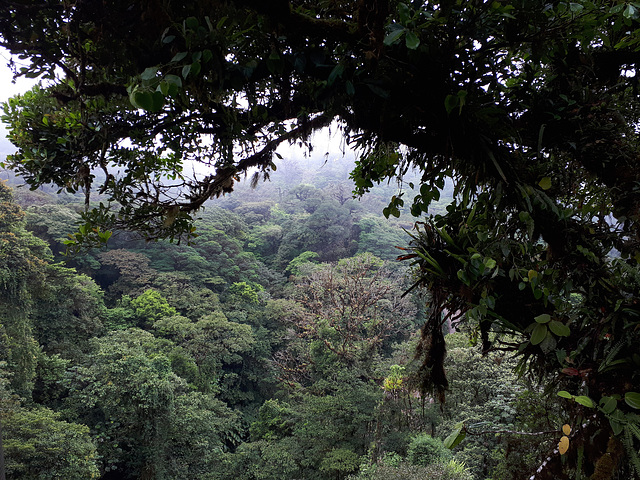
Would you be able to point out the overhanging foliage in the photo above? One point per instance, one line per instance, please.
(530, 106)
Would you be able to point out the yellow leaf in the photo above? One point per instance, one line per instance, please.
(563, 445)
(566, 429)
(545, 183)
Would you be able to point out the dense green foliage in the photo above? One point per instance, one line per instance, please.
(529, 106)
(157, 371)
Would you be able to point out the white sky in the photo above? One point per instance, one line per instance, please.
(8, 89)
(328, 142)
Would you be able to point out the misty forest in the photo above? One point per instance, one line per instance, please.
(328, 239)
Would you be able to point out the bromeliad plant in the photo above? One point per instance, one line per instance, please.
(574, 313)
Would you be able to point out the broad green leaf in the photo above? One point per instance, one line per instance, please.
(164, 88)
(403, 11)
(584, 400)
(617, 420)
(174, 79)
(564, 394)
(195, 68)
(576, 7)
(393, 36)
(630, 11)
(615, 426)
(335, 73)
(544, 318)
(351, 91)
(149, 73)
(450, 103)
(549, 343)
(157, 101)
(456, 436)
(463, 277)
(179, 56)
(412, 41)
(192, 23)
(489, 263)
(632, 399)
(608, 405)
(142, 100)
(539, 333)
(559, 328)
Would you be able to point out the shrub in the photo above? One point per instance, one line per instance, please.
(426, 450)
(451, 470)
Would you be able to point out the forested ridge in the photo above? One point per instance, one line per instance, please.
(276, 345)
(527, 111)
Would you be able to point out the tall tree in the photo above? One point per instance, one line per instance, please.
(22, 267)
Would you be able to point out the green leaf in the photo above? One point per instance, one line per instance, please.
(559, 328)
(149, 101)
(564, 394)
(584, 400)
(178, 56)
(463, 277)
(450, 103)
(335, 73)
(630, 12)
(576, 7)
(632, 399)
(411, 40)
(549, 343)
(545, 183)
(539, 333)
(544, 318)
(192, 23)
(616, 420)
(174, 79)
(351, 91)
(403, 11)
(195, 68)
(608, 405)
(142, 100)
(393, 36)
(456, 436)
(157, 101)
(149, 73)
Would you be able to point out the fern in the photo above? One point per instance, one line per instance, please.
(608, 360)
(631, 430)
(632, 453)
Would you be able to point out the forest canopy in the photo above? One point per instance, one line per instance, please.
(530, 106)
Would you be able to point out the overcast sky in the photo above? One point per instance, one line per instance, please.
(329, 146)
(8, 89)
